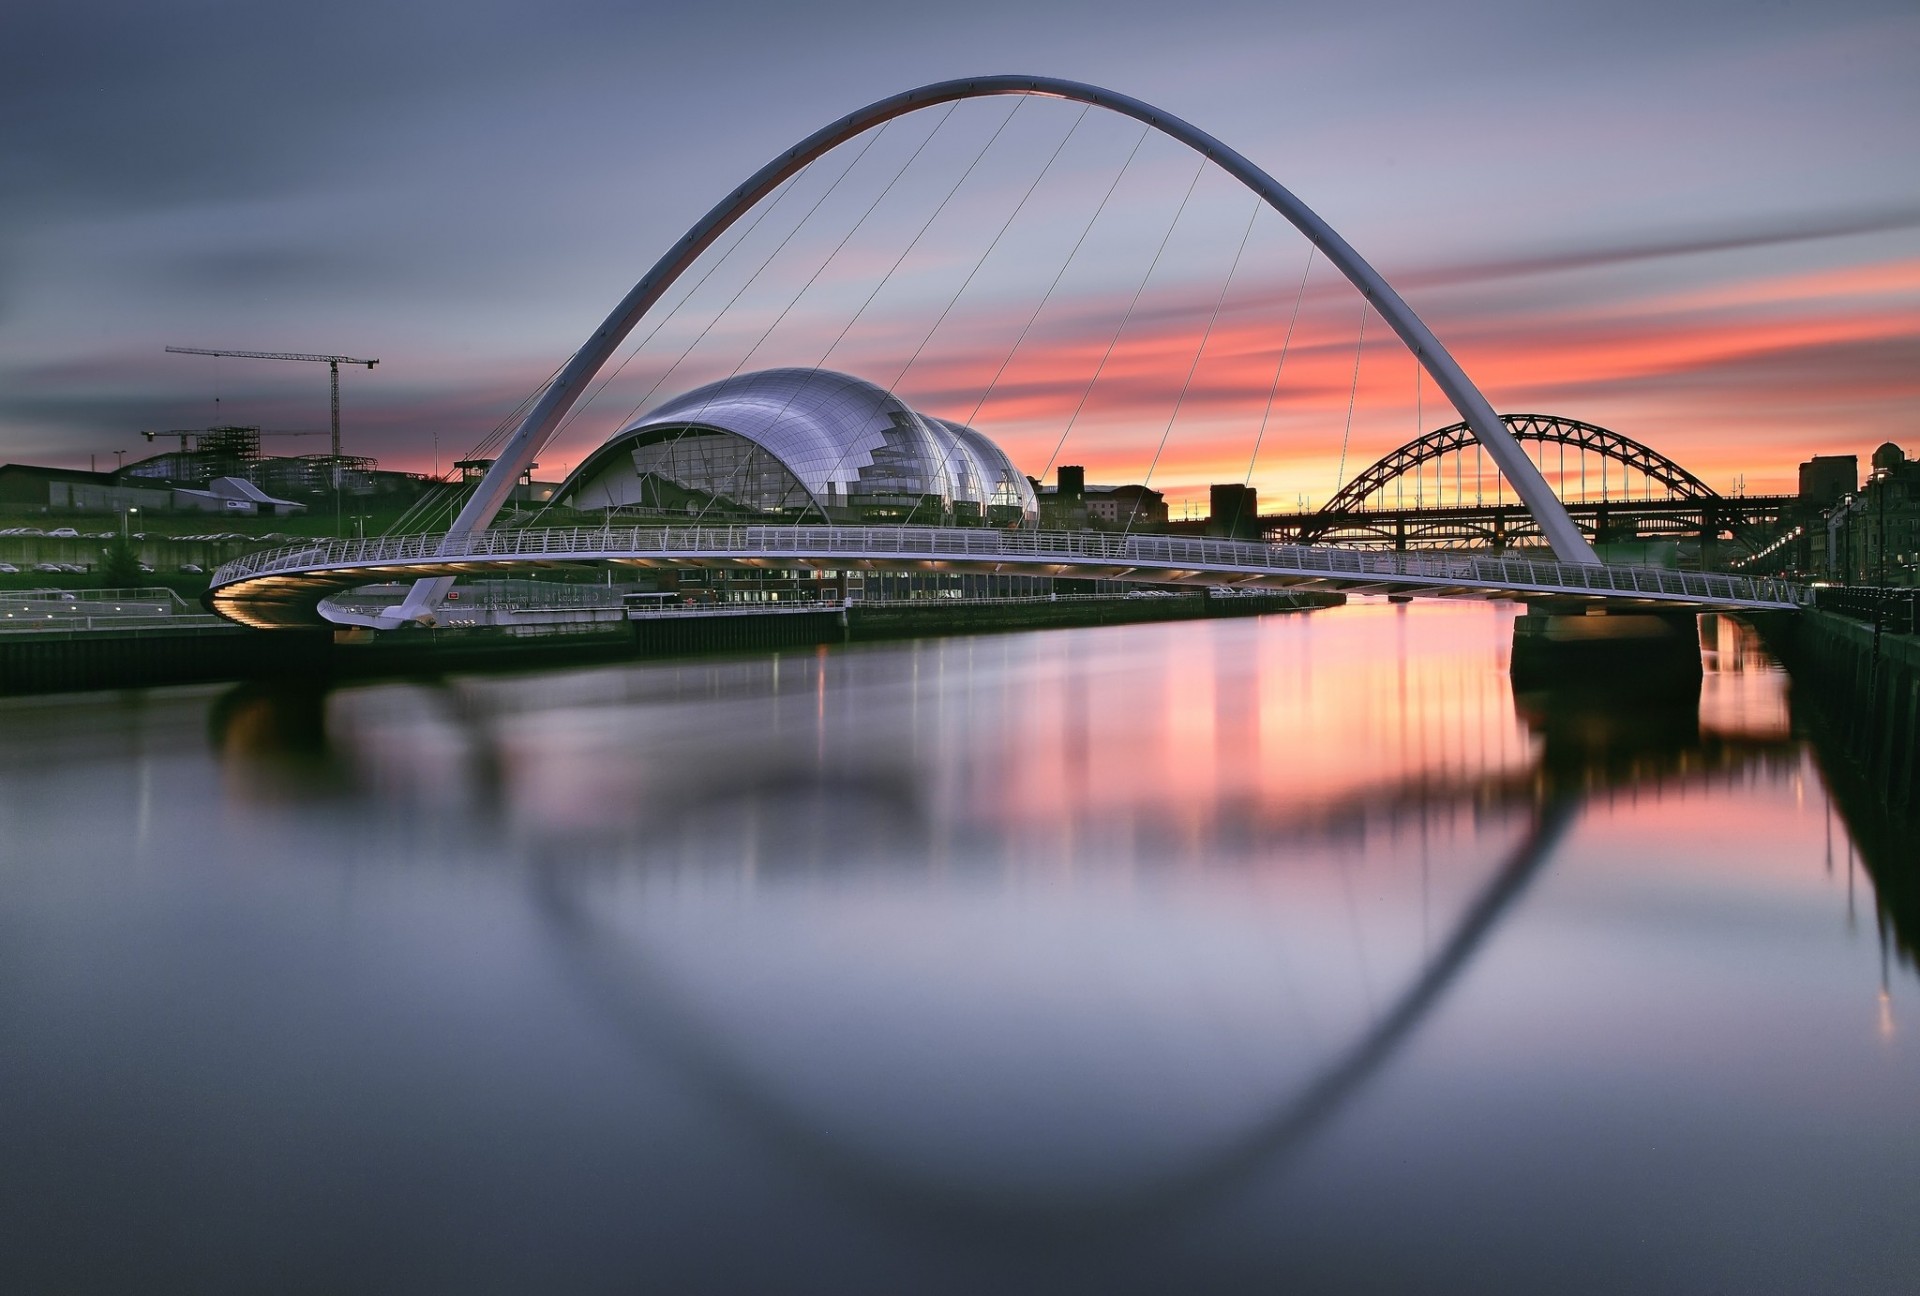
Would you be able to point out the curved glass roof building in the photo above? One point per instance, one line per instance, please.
(802, 445)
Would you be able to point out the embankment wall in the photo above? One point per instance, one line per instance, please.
(1864, 686)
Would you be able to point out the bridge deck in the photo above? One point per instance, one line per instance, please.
(283, 587)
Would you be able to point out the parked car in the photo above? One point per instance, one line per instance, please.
(48, 567)
(64, 533)
(193, 569)
(8, 569)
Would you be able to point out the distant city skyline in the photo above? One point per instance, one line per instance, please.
(1697, 224)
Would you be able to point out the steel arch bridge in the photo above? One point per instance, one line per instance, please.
(561, 394)
(1687, 507)
(1541, 429)
(434, 561)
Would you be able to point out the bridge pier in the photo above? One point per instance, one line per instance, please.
(1557, 643)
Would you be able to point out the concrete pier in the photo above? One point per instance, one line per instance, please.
(1652, 653)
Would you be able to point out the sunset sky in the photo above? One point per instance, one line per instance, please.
(1697, 224)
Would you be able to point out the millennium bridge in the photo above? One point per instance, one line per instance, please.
(289, 586)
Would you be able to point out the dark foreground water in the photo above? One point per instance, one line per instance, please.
(1288, 954)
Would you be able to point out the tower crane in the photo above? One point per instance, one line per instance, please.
(333, 363)
(184, 433)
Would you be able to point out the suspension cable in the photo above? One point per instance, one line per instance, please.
(848, 448)
(1194, 367)
(994, 243)
(1352, 395)
(816, 274)
(1115, 339)
(1274, 388)
(760, 269)
(714, 394)
(884, 279)
(721, 313)
(954, 442)
(1058, 276)
(441, 498)
(765, 211)
(856, 229)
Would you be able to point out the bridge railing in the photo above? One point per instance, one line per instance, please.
(1894, 609)
(1149, 553)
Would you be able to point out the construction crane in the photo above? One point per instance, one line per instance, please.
(333, 363)
(184, 433)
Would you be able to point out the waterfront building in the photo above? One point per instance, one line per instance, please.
(1872, 536)
(234, 496)
(805, 446)
(1233, 510)
(189, 479)
(1825, 480)
(799, 445)
(29, 488)
(1072, 505)
(36, 489)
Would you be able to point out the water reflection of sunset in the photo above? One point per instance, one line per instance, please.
(1264, 714)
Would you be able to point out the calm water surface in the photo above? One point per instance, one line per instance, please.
(1289, 953)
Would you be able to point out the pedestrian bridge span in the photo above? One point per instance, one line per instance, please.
(290, 586)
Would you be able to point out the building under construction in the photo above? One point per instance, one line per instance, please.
(218, 469)
(235, 452)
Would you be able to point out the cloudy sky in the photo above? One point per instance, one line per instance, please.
(1697, 223)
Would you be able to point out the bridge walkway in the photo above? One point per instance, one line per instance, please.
(285, 586)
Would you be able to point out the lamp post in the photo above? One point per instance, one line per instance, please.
(1846, 542)
(125, 518)
(1881, 487)
(1880, 509)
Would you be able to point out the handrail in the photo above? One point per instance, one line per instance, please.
(1153, 552)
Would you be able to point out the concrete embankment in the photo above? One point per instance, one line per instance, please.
(49, 661)
(1864, 691)
(68, 661)
(898, 621)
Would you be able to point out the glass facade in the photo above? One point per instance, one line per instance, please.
(802, 445)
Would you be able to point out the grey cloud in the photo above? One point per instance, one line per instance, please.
(1769, 233)
(265, 269)
(1816, 379)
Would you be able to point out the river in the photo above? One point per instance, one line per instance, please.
(1288, 953)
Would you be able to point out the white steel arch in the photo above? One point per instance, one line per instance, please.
(565, 389)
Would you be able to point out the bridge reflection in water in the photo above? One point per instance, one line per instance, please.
(1143, 959)
(933, 923)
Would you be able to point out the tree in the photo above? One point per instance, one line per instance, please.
(121, 566)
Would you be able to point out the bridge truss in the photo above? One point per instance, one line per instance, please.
(1424, 495)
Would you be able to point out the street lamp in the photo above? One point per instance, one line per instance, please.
(125, 517)
(1880, 499)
